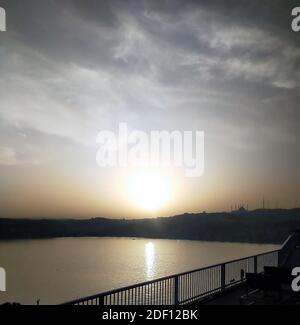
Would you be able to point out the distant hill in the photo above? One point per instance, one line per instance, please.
(257, 226)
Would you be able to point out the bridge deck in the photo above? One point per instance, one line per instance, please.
(233, 297)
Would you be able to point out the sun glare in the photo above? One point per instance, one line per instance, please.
(148, 190)
(149, 259)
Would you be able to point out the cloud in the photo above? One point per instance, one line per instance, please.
(72, 69)
(7, 156)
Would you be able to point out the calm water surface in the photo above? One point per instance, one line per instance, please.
(58, 270)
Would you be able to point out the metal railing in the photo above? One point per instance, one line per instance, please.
(187, 287)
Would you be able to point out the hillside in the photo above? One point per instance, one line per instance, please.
(258, 226)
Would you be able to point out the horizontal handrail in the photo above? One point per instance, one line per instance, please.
(177, 276)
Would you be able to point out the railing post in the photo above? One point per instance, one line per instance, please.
(176, 290)
(223, 281)
(255, 264)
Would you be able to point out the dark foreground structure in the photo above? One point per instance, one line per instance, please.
(260, 279)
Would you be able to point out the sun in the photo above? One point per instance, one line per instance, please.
(149, 190)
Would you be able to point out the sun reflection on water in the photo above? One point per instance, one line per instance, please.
(149, 259)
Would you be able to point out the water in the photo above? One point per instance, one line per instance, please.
(59, 270)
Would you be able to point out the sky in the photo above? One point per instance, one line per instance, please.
(71, 68)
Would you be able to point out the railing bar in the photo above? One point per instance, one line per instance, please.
(168, 295)
(152, 295)
(162, 292)
(136, 300)
(184, 294)
(195, 283)
(172, 287)
(158, 293)
(188, 285)
(181, 286)
(191, 284)
(165, 293)
(133, 297)
(205, 283)
(184, 287)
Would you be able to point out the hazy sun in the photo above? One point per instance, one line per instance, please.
(149, 190)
